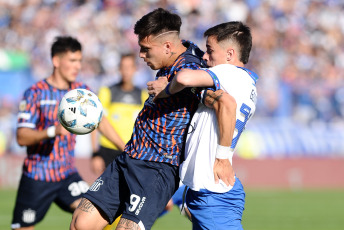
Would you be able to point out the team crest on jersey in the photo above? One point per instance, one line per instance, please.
(96, 185)
(29, 216)
(22, 105)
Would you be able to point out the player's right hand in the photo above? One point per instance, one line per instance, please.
(223, 170)
(157, 88)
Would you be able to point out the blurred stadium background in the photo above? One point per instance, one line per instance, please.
(293, 148)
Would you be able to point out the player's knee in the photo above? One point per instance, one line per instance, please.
(78, 224)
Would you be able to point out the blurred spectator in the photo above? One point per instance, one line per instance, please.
(298, 45)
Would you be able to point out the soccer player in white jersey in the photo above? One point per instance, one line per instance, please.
(212, 199)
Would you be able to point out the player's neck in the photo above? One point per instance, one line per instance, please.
(57, 82)
(127, 86)
(175, 54)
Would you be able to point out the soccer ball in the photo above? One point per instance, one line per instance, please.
(80, 111)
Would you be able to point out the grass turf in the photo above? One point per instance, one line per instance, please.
(264, 210)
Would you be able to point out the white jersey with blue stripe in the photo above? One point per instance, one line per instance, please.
(203, 136)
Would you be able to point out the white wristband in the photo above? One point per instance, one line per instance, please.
(223, 152)
(51, 131)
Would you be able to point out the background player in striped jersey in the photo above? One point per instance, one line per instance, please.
(49, 174)
(207, 170)
(141, 181)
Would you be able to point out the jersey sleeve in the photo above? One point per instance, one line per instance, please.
(213, 88)
(29, 110)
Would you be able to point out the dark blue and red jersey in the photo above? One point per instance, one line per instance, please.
(52, 159)
(161, 126)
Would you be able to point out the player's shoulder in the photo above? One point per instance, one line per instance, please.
(37, 88)
(234, 72)
(79, 84)
(193, 54)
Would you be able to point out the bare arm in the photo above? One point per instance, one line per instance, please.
(184, 78)
(225, 109)
(28, 136)
(109, 132)
(223, 104)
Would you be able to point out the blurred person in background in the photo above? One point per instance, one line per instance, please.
(49, 174)
(121, 102)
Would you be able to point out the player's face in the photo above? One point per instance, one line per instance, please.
(127, 68)
(68, 65)
(215, 54)
(152, 52)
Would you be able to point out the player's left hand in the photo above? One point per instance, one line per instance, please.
(157, 87)
(223, 170)
(60, 130)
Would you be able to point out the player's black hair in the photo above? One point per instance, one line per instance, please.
(236, 31)
(63, 44)
(128, 55)
(157, 22)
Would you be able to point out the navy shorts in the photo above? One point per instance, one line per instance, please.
(137, 189)
(35, 197)
(211, 210)
(108, 155)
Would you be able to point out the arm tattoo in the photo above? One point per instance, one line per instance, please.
(128, 224)
(211, 98)
(86, 205)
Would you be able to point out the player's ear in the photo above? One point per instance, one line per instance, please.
(56, 61)
(168, 47)
(229, 54)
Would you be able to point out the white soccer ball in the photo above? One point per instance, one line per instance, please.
(80, 111)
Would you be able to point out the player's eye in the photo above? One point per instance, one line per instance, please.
(144, 50)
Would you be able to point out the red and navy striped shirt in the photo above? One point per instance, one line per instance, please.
(52, 159)
(160, 128)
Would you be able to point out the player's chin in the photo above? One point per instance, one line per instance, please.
(72, 78)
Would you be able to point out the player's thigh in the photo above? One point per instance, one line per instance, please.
(71, 191)
(108, 191)
(87, 216)
(151, 185)
(33, 201)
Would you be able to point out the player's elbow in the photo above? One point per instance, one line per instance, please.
(20, 139)
(25, 137)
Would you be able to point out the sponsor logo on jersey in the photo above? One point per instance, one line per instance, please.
(253, 96)
(96, 185)
(29, 216)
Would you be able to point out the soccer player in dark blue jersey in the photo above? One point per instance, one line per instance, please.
(49, 174)
(141, 181)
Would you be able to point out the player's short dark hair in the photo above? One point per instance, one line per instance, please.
(128, 55)
(156, 22)
(63, 44)
(236, 31)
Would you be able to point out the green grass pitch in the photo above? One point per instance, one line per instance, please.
(264, 210)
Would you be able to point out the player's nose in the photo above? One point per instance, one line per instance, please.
(205, 56)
